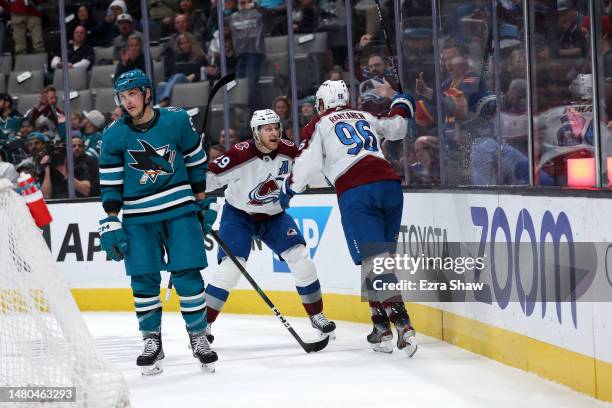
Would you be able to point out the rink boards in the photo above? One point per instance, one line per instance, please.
(568, 346)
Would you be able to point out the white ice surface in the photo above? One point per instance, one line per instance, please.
(260, 365)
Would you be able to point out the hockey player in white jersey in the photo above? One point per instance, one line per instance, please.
(253, 171)
(344, 144)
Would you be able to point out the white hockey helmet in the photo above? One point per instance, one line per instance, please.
(264, 117)
(331, 94)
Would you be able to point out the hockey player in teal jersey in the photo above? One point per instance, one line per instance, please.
(153, 169)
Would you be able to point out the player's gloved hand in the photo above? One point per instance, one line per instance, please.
(285, 195)
(112, 238)
(404, 101)
(207, 215)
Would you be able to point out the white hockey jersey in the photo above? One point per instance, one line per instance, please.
(345, 144)
(253, 178)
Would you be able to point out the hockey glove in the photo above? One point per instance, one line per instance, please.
(207, 215)
(406, 102)
(112, 238)
(286, 194)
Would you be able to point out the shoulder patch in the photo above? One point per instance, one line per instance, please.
(236, 155)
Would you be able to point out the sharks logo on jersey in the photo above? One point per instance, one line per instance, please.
(152, 161)
(266, 192)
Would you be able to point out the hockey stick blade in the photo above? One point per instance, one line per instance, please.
(218, 85)
(316, 346)
(307, 346)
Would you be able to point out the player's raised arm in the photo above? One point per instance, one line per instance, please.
(393, 125)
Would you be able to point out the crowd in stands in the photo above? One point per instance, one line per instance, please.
(464, 142)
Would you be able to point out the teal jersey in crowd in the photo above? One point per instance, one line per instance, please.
(93, 144)
(152, 173)
(9, 126)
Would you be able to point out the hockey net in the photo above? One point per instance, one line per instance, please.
(44, 341)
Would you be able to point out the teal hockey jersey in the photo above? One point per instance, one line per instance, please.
(153, 173)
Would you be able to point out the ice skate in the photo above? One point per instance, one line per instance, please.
(325, 326)
(381, 338)
(150, 361)
(202, 351)
(406, 339)
(406, 335)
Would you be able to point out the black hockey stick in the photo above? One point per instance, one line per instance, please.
(308, 347)
(218, 85)
(389, 48)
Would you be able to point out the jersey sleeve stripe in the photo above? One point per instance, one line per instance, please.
(111, 170)
(202, 160)
(158, 207)
(156, 196)
(166, 188)
(194, 150)
(111, 182)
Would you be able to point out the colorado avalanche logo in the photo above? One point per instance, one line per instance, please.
(152, 161)
(265, 192)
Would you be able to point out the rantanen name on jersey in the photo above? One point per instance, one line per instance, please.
(345, 116)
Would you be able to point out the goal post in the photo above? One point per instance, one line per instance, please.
(44, 341)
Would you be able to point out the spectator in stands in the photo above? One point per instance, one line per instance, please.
(108, 30)
(335, 74)
(418, 55)
(5, 9)
(229, 7)
(569, 41)
(81, 159)
(26, 18)
(377, 74)
(80, 53)
(91, 132)
(36, 148)
(230, 53)
(184, 66)
(247, 34)
(606, 32)
(46, 107)
(275, 12)
(233, 137)
(181, 25)
(161, 13)
(132, 57)
(282, 107)
(55, 175)
(307, 18)
(307, 112)
(25, 128)
(15, 147)
(126, 30)
(10, 119)
(116, 114)
(215, 151)
(457, 89)
(197, 18)
(84, 18)
(426, 169)
(75, 125)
